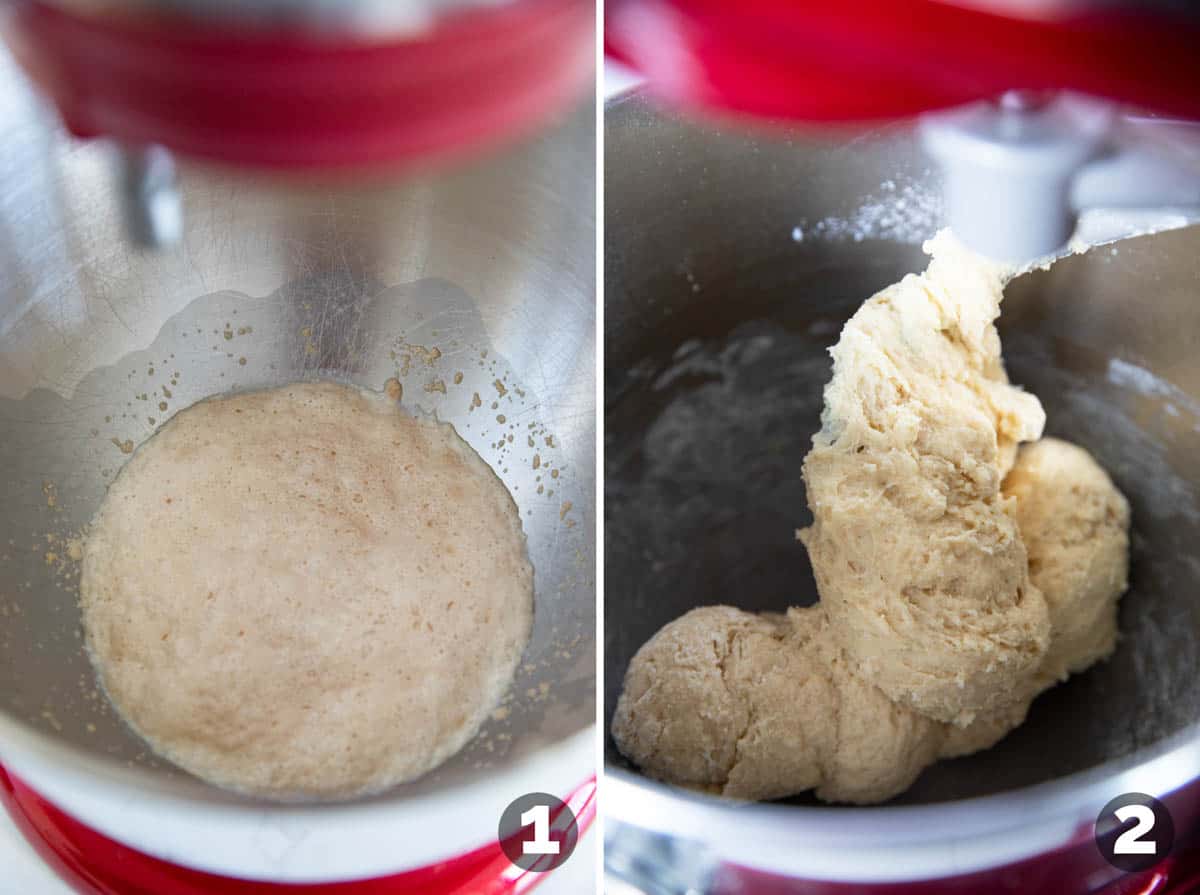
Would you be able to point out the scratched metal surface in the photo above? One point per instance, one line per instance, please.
(453, 283)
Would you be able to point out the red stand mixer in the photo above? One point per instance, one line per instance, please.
(730, 205)
(1017, 97)
(289, 163)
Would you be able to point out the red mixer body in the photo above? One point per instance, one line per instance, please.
(97, 865)
(1177, 876)
(857, 60)
(292, 99)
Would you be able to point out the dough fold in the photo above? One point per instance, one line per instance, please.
(916, 553)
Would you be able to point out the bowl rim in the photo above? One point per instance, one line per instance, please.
(898, 843)
(194, 824)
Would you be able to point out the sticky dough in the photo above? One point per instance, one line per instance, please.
(951, 594)
(915, 551)
(306, 592)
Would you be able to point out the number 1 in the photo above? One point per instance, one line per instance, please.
(541, 843)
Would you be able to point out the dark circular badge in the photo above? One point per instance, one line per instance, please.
(1134, 832)
(538, 832)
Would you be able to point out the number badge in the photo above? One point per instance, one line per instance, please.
(538, 832)
(1134, 832)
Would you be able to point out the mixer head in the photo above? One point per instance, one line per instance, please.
(1034, 109)
(313, 87)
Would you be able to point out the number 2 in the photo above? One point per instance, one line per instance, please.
(1130, 842)
(542, 844)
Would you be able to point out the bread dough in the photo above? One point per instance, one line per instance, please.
(951, 593)
(1075, 524)
(915, 551)
(766, 706)
(306, 592)
(761, 707)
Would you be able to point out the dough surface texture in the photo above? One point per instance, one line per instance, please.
(1075, 524)
(916, 553)
(960, 575)
(305, 592)
(761, 707)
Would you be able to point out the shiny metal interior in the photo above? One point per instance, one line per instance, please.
(732, 259)
(472, 282)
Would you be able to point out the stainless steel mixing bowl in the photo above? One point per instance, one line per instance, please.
(474, 287)
(731, 261)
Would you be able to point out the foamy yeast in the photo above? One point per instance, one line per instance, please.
(306, 592)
